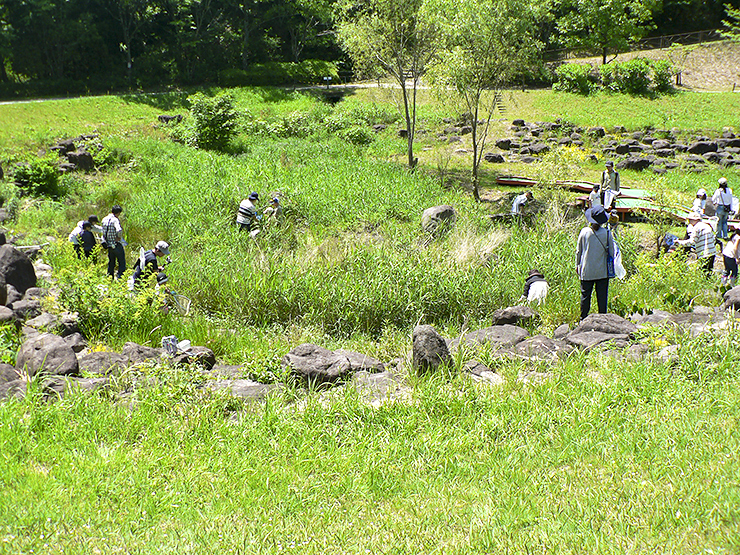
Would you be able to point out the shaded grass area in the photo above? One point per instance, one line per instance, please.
(645, 459)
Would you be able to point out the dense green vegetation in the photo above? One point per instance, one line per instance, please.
(605, 456)
(94, 45)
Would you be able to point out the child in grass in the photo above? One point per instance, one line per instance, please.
(535, 287)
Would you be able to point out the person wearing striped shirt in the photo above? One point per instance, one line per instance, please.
(113, 238)
(247, 213)
(702, 239)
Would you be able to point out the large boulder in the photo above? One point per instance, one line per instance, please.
(47, 352)
(201, 356)
(496, 336)
(16, 268)
(542, 347)
(26, 308)
(16, 389)
(429, 350)
(605, 323)
(136, 353)
(438, 218)
(102, 362)
(512, 315)
(244, 389)
(82, 159)
(361, 363)
(732, 298)
(314, 364)
(589, 339)
(8, 373)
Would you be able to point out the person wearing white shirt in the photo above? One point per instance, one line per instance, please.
(699, 202)
(722, 199)
(520, 201)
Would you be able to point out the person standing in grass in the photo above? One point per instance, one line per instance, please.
(113, 239)
(702, 238)
(595, 245)
(610, 178)
(247, 213)
(730, 256)
(722, 199)
(76, 236)
(699, 202)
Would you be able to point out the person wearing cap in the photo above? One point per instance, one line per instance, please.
(247, 213)
(702, 239)
(699, 202)
(520, 201)
(535, 287)
(147, 263)
(610, 178)
(273, 213)
(595, 245)
(113, 240)
(722, 199)
(75, 235)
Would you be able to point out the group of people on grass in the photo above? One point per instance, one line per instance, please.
(247, 216)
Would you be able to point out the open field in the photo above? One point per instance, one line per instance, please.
(604, 455)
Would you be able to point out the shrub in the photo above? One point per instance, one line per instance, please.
(280, 73)
(39, 177)
(575, 78)
(630, 77)
(663, 73)
(214, 120)
(357, 135)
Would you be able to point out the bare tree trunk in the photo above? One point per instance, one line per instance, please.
(3, 73)
(245, 44)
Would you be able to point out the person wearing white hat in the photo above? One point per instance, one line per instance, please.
(699, 202)
(147, 263)
(702, 239)
(722, 199)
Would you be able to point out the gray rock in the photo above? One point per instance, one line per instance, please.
(702, 147)
(76, 341)
(7, 315)
(542, 347)
(13, 295)
(202, 356)
(49, 353)
(379, 388)
(512, 315)
(34, 293)
(656, 317)
(688, 318)
(102, 362)
(539, 148)
(561, 331)
(45, 322)
(136, 353)
(58, 387)
(8, 373)
(438, 218)
(494, 158)
(26, 308)
(429, 350)
(315, 365)
(16, 268)
(361, 363)
(15, 389)
(228, 371)
(496, 336)
(605, 323)
(732, 298)
(589, 339)
(503, 144)
(244, 389)
(634, 163)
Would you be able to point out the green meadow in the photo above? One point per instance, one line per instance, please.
(603, 456)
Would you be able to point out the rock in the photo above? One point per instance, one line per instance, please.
(66, 145)
(49, 353)
(102, 362)
(379, 388)
(16, 389)
(8, 373)
(518, 123)
(494, 158)
(7, 315)
(57, 387)
(561, 331)
(45, 322)
(482, 374)
(136, 353)
(202, 356)
(542, 347)
(656, 317)
(661, 144)
(26, 309)
(16, 269)
(732, 298)
(165, 118)
(379, 127)
(244, 389)
(82, 159)
(32, 293)
(361, 363)
(466, 130)
(497, 336)
(589, 339)
(438, 218)
(634, 163)
(403, 133)
(530, 377)
(429, 350)
(512, 315)
(69, 324)
(687, 318)
(606, 323)
(76, 341)
(702, 147)
(315, 364)
(539, 148)
(597, 132)
(228, 370)
(503, 144)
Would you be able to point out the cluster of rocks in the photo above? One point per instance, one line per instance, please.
(659, 150)
(166, 119)
(77, 153)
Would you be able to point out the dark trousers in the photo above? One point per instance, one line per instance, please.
(602, 294)
(730, 267)
(707, 264)
(116, 254)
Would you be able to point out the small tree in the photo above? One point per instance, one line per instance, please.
(607, 26)
(488, 42)
(399, 37)
(731, 24)
(214, 120)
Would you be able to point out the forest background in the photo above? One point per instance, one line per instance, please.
(78, 46)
